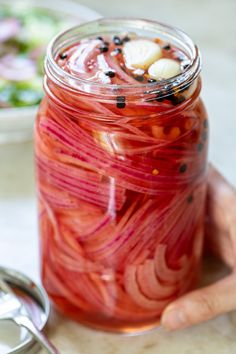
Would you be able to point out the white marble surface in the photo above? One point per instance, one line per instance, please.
(212, 24)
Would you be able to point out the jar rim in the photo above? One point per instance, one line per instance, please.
(107, 25)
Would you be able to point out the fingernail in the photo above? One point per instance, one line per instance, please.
(174, 319)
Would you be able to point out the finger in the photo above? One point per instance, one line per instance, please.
(220, 244)
(201, 305)
(221, 216)
(221, 199)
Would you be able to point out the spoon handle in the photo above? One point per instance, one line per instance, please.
(24, 321)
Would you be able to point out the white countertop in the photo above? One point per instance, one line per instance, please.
(212, 24)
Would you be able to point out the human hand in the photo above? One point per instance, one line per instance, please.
(220, 297)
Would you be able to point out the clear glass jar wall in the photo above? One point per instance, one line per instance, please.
(121, 191)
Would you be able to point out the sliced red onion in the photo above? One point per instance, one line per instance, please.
(163, 271)
(78, 60)
(117, 69)
(150, 285)
(133, 290)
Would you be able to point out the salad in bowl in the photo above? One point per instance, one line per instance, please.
(25, 30)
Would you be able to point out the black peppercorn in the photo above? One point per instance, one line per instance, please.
(183, 168)
(166, 47)
(117, 51)
(103, 49)
(120, 102)
(117, 40)
(185, 66)
(126, 39)
(110, 73)
(63, 56)
(151, 81)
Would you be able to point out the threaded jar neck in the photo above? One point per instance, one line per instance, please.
(110, 26)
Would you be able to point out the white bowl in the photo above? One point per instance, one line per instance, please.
(16, 124)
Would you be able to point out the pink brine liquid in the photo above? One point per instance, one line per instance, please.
(121, 184)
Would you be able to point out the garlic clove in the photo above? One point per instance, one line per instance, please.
(164, 69)
(141, 53)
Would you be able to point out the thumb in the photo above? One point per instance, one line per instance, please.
(201, 305)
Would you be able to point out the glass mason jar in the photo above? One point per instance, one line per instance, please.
(121, 191)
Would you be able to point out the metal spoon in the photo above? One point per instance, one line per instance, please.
(12, 309)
